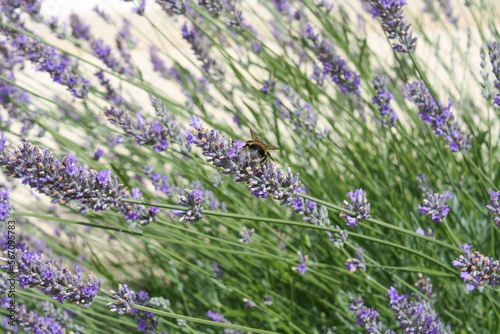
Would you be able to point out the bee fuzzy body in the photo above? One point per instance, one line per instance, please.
(257, 149)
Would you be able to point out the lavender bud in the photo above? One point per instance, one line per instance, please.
(494, 53)
(494, 206)
(359, 206)
(246, 235)
(191, 200)
(434, 203)
(217, 317)
(125, 299)
(365, 316)
(4, 204)
(338, 238)
(217, 271)
(357, 263)
(302, 267)
(382, 99)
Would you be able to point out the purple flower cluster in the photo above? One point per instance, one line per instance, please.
(61, 68)
(191, 200)
(494, 53)
(124, 42)
(217, 271)
(309, 210)
(104, 53)
(33, 322)
(477, 270)
(201, 45)
(416, 316)
(262, 179)
(160, 181)
(4, 204)
(494, 206)
(36, 270)
(394, 23)
(357, 263)
(126, 299)
(66, 181)
(79, 29)
(366, 317)
(334, 66)
(302, 267)
(425, 287)
(208, 197)
(102, 14)
(144, 132)
(359, 206)
(434, 203)
(439, 117)
(382, 100)
(217, 317)
(111, 93)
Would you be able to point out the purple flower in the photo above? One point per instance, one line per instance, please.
(494, 206)
(156, 133)
(61, 68)
(359, 206)
(302, 267)
(104, 53)
(494, 53)
(217, 317)
(415, 316)
(4, 204)
(434, 203)
(53, 278)
(195, 122)
(357, 263)
(394, 23)
(440, 118)
(365, 317)
(191, 199)
(98, 154)
(382, 99)
(334, 66)
(79, 29)
(160, 181)
(126, 299)
(104, 176)
(477, 270)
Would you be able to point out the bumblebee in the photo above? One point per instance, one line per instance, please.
(258, 149)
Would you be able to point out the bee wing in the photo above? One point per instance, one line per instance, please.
(254, 136)
(271, 147)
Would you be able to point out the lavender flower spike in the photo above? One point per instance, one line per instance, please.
(434, 206)
(191, 199)
(394, 23)
(125, 299)
(35, 269)
(494, 206)
(357, 263)
(366, 317)
(382, 99)
(262, 179)
(359, 206)
(416, 316)
(494, 53)
(334, 66)
(4, 204)
(302, 267)
(477, 270)
(440, 118)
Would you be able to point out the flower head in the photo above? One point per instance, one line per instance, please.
(494, 206)
(302, 267)
(477, 270)
(359, 206)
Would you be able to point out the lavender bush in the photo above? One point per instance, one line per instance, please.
(126, 149)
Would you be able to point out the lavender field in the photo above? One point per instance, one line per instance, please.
(250, 166)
